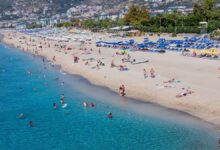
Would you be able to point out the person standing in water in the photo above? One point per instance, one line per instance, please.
(21, 116)
(30, 124)
(92, 104)
(85, 104)
(62, 100)
(54, 106)
(110, 115)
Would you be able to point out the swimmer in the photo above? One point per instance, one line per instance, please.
(62, 96)
(30, 124)
(57, 78)
(21, 116)
(28, 72)
(20, 88)
(62, 102)
(92, 104)
(85, 104)
(62, 99)
(110, 115)
(54, 106)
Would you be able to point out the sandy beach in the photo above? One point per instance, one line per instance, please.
(173, 72)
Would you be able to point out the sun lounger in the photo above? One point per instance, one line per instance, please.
(139, 62)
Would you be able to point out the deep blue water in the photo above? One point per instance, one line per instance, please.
(135, 125)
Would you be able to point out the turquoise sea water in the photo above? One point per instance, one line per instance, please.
(135, 125)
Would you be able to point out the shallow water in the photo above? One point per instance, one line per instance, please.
(135, 125)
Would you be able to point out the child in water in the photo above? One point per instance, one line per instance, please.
(110, 115)
(54, 106)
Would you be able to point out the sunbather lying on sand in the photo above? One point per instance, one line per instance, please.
(166, 86)
(123, 68)
(170, 81)
(184, 92)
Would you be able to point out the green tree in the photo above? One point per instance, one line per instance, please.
(206, 10)
(213, 25)
(136, 16)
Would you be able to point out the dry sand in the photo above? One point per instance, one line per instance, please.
(200, 75)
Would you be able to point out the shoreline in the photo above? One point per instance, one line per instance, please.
(140, 96)
(183, 114)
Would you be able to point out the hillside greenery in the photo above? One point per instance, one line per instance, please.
(174, 22)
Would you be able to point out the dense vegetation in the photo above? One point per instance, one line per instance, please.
(178, 22)
(174, 22)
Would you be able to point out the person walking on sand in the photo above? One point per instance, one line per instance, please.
(145, 74)
(152, 73)
(122, 90)
(112, 64)
(54, 58)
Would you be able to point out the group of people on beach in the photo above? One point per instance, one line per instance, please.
(121, 90)
(184, 92)
(151, 75)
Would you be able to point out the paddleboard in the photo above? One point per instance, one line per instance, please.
(64, 106)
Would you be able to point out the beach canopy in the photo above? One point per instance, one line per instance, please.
(194, 42)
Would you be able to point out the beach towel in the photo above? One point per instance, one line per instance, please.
(139, 62)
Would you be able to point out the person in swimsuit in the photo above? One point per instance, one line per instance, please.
(54, 106)
(30, 124)
(21, 116)
(92, 104)
(110, 115)
(85, 104)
